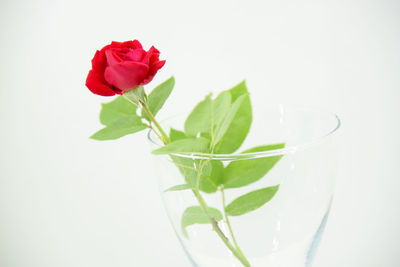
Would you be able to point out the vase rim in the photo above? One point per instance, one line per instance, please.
(275, 152)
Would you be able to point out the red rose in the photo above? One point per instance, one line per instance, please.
(120, 67)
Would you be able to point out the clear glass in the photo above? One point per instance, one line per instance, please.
(286, 230)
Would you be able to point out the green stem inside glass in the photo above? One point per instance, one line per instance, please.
(235, 249)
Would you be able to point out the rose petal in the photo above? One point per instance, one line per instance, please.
(154, 59)
(115, 44)
(129, 44)
(99, 62)
(152, 52)
(126, 75)
(112, 58)
(152, 72)
(136, 44)
(135, 55)
(156, 66)
(95, 85)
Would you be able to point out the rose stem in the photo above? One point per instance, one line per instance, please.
(150, 115)
(228, 223)
(238, 254)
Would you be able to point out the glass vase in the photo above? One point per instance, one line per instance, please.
(286, 230)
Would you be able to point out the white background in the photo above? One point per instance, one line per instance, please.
(67, 201)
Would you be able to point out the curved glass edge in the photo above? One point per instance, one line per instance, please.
(253, 155)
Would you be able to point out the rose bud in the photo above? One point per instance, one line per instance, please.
(121, 67)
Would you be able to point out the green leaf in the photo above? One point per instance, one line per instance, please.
(229, 119)
(206, 135)
(199, 120)
(116, 109)
(196, 215)
(175, 135)
(120, 127)
(213, 177)
(243, 172)
(187, 168)
(178, 187)
(158, 96)
(208, 113)
(251, 201)
(189, 145)
(240, 125)
(221, 106)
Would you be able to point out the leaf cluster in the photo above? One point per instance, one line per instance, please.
(218, 126)
(122, 117)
